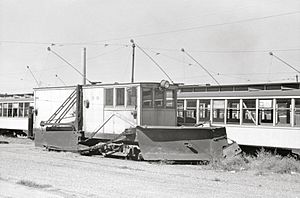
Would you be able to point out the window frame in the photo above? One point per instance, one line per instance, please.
(122, 89)
(111, 100)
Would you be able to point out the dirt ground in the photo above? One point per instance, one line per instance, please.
(27, 171)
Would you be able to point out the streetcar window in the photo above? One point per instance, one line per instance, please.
(265, 111)
(21, 109)
(170, 98)
(218, 110)
(297, 112)
(241, 88)
(15, 109)
(249, 111)
(204, 110)
(5, 107)
(180, 111)
(26, 109)
(120, 93)
(212, 89)
(191, 103)
(109, 95)
(9, 113)
(226, 88)
(180, 104)
(283, 111)
(147, 97)
(158, 97)
(200, 89)
(131, 96)
(233, 111)
(190, 113)
(0, 109)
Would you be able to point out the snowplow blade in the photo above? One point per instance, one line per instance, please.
(59, 140)
(181, 143)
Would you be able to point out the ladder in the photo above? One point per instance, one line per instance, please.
(73, 99)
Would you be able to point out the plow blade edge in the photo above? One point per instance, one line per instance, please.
(58, 140)
(181, 143)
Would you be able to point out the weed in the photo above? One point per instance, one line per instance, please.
(235, 163)
(263, 162)
(266, 161)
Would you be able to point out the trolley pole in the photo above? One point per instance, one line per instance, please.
(132, 68)
(272, 54)
(84, 66)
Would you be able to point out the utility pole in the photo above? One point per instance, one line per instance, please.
(84, 66)
(132, 68)
(297, 78)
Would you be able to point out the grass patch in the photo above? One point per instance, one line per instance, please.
(33, 184)
(263, 163)
(266, 161)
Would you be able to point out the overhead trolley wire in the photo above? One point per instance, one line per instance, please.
(105, 53)
(227, 51)
(204, 26)
(61, 44)
(99, 42)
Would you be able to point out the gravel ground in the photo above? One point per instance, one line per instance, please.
(27, 171)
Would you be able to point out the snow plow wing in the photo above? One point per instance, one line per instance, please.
(181, 143)
(59, 140)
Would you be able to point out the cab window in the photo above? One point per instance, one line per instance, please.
(147, 97)
(131, 96)
(158, 97)
(109, 97)
(120, 96)
(170, 99)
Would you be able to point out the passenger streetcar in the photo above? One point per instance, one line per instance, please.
(14, 110)
(257, 115)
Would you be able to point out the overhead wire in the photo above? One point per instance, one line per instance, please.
(235, 75)
(203, 26)
(101, 42)
(156, 53)
(105, 53)
(226, 51)
(61, 44)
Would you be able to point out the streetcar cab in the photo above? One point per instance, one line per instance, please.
(104, 109)
(125, 105)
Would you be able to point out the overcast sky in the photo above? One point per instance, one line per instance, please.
(231, 39)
